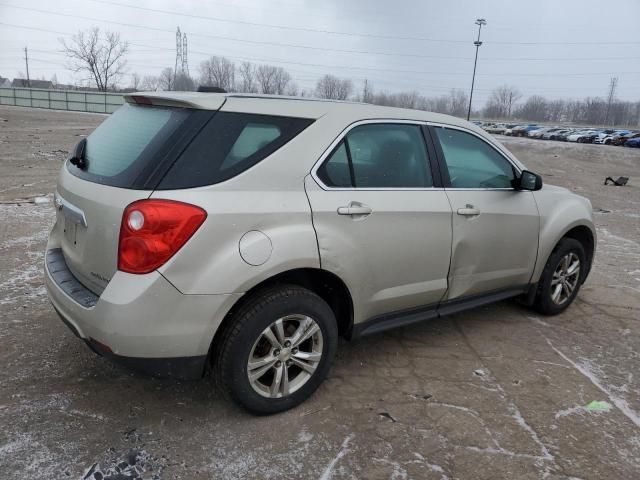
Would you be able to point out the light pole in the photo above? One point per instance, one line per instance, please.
(480, 22)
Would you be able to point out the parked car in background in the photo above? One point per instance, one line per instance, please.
(607, 136)
(622, 139)
(583, 136)
(633, 142)
(564, 135)
(541, 132)
(523, 130)
(498, 128)
(554, 133)
(244, 234)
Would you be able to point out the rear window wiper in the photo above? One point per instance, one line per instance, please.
(77, 155)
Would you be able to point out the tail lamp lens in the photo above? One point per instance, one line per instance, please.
(152, 231)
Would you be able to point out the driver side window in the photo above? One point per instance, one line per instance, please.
(472, 162)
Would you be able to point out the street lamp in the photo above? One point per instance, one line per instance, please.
(480, 22)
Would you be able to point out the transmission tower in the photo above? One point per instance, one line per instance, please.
(611, 97)
(185, 63)
(179, 60)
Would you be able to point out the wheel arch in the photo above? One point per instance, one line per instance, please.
(323, 283)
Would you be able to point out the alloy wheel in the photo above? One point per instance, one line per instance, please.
(565, 278)
(285, 356)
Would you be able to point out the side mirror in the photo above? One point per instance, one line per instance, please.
(77, 155)
(528, 181)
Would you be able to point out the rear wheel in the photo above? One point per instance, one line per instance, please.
(561, 278)
(277, 349)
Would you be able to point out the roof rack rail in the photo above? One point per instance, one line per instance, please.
(209, 89)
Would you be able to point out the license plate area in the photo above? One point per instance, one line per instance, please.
(70, 231)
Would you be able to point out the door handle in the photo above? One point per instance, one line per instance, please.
(354, 209)
(469, 211)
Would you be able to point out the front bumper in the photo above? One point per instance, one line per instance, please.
(140, 320)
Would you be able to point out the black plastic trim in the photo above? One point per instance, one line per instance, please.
(183, 368)
(63, 278)
(430, 312)
(434, 161)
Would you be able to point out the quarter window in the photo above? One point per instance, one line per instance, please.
(379, 156)
(472, 162)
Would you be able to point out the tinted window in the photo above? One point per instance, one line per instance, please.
(335, 171)
(127, 142)
(472, 162)
(380, 156)
(229, 144)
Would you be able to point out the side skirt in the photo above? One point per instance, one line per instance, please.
(429, 312)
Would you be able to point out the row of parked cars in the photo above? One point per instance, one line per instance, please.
(618, 137)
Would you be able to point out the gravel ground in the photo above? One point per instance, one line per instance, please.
(495, 393)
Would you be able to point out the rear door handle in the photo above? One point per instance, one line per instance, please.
(469, 211)
(354, 209)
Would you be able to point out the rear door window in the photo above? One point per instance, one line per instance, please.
(379, 155)
(229, 144)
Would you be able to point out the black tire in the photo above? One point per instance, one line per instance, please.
(543, 302)
(232, 350)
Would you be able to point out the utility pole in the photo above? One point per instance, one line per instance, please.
(613, 84)
(26, 62)
(480, 22)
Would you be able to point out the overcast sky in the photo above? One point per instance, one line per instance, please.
(560, 49)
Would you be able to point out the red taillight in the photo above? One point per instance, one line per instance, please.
(152, 231)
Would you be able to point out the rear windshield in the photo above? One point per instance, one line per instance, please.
(228, 145)
(149, 147)
(122, 148)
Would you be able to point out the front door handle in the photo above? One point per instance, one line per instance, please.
(354, 208)
(469, 211)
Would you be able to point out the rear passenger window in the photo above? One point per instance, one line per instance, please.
(379, 156)
(229, 144)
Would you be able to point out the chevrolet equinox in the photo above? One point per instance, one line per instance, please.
(245, 234)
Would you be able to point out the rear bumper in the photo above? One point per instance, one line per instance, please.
(140, 320)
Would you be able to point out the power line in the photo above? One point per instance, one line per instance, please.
(351, 34)
(257, 42)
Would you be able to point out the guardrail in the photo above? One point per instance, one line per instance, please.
(72, 100)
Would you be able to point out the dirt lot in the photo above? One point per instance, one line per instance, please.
(496, 393)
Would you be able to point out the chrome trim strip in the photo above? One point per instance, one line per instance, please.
(350, 127)
(69, 210)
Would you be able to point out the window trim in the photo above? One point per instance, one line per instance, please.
(432, 157)
(443, 164)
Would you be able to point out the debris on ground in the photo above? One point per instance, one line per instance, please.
(135, 464)
(620, 182)
(598, 406)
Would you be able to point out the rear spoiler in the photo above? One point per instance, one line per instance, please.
(177, 99)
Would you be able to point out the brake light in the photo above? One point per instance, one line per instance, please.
(152, 231)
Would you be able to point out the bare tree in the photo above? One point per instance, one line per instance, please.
(150, 83)
(247, 83)
(458, 103)
(218, 72)
(502, 101)
(102, 57)
(165, 80)
(292, 90)
(272, 80)
(183, 83)
(333, 88)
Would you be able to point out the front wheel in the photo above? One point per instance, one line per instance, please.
(561, 278)
(277, 349)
